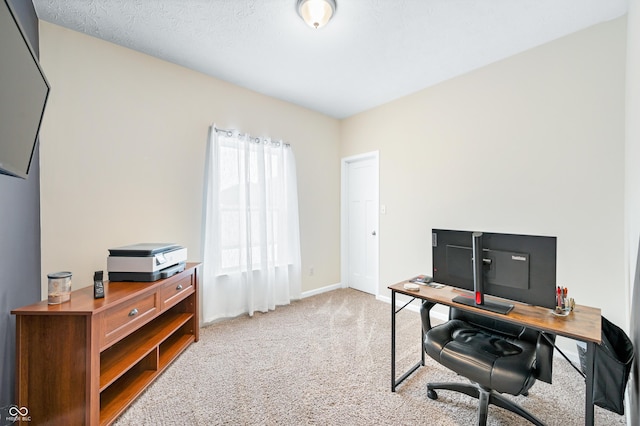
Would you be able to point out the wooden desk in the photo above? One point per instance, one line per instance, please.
(583, 324)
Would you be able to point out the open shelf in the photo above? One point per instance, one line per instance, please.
(123, 391)
(172, 347)
(117, 359)
(128, 367)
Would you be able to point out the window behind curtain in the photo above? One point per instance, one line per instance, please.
(232, 213)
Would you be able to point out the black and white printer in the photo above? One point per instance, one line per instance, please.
(145, 261)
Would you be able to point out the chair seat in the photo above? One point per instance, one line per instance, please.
(493, 361)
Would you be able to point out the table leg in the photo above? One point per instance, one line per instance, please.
(421, 347)
(588, 409)
(419, 364)
(393, 341)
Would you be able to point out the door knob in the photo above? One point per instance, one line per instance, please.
(373, 233)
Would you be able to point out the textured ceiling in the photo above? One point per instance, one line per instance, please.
(373, 51)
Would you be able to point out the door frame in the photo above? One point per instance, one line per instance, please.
(344, 202)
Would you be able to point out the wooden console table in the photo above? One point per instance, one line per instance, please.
(83, 362)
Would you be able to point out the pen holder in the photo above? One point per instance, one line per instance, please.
(560, 311)
(562, 301)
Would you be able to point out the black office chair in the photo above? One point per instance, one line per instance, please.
(498, 357)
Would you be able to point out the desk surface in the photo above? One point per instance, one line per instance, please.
(583, 324)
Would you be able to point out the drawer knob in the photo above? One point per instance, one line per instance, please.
(179, 287)
(133, 312)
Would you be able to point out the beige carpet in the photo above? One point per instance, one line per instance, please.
(325, 360)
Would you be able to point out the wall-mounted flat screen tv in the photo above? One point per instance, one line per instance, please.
(23, 96)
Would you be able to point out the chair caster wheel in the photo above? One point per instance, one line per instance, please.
(432, 394)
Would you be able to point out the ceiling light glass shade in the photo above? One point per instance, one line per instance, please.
(316, 13)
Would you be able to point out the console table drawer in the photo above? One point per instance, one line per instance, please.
(127, 317)
(175, 291)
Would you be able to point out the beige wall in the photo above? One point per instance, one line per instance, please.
(632, 154)
(632, 182)
(123, 149)
(533, 144)
(124, 140)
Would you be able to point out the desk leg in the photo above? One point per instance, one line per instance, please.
(393, 341)
(588, 409)
(395, 382)
(422, 336)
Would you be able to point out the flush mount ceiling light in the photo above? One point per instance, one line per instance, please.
(316, 13)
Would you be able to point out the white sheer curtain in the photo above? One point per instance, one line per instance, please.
(251, 236)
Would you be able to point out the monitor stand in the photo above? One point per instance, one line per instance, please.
(478, 282)
(487, 305)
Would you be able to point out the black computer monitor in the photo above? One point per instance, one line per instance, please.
(513, 267)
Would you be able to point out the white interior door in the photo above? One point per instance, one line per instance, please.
(361, 223)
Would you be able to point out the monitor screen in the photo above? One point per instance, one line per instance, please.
(516, 267)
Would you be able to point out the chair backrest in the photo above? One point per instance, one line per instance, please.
(544, 347)
(495, 326)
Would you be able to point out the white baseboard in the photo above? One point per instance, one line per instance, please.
(320, 290)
